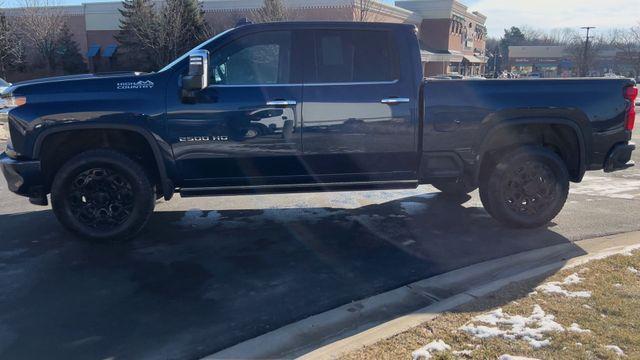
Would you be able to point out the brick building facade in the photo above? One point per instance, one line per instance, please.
(453, 39)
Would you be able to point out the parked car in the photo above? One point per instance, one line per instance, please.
(3, 86)
(359, 116)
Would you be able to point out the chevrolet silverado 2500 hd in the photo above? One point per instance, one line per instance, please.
(302, 107)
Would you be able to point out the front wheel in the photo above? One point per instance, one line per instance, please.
(526, 187)
(102, 195)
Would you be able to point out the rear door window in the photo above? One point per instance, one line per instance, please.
(346, 56)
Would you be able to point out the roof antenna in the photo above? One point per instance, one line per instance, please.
(244, 21)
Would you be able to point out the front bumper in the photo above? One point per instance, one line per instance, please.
(619, 157)
(23, 177)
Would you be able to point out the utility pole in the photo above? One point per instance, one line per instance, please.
(585, 67)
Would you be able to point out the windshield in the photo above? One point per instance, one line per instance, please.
(185, 55)
(3, 83)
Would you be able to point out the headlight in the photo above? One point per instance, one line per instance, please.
(12, 102)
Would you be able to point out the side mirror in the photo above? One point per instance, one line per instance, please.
(198, 75)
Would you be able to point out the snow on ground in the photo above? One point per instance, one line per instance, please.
(531, 329)
(197, 219)
(615, 349)
(607, 186)
(511, 357)
(577, 329)
(633, 270)
(555, 287)
(413, 208)
(4, 131)
(463, 353)
(424, 353)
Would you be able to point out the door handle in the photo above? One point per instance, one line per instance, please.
(395, 101)
(284, 103)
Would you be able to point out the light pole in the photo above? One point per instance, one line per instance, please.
(585, 68)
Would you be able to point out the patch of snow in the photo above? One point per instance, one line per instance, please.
(511, 357)
(413, 208)
(587, 306)
(615, 349)
(577, 329)
(530, 329)
(578, 344)
(633, 270)
(608, 187)
(617, 285)
(552, 288)
(463, 352)
(572, 279)
(555, 287)
(197, 219)
(424, 352)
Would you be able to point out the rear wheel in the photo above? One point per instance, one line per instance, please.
(102, 195)
(526, 187)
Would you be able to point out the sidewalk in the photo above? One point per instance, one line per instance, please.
(364, 323)
(590, 311)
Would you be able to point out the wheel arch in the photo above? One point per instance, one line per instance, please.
(562, 127)
(167, 185)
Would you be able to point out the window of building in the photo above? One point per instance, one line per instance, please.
(261, 58)
(354, 56)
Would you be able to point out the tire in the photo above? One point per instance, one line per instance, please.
(526, 188)
(453, 188)
(102, 195)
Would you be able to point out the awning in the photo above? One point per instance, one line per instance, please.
(473, 59)
(93, 51)
(109, 51)
(429, 56)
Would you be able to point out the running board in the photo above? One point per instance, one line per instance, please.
(298, 188)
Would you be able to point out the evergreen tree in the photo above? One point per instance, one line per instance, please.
(150, 39)
(137, 34)
(68, 53)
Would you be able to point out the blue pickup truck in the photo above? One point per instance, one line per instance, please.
(303, 107)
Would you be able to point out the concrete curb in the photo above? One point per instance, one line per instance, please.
(352, 326)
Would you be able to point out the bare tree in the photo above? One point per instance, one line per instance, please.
(367, 10)
(628, 42)
(271, 11)
(584, 55)
(40, 24)
(11, 46)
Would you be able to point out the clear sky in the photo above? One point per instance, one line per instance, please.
(538, 14)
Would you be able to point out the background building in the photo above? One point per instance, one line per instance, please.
(557, 61)
(452, 38)
(548, 61)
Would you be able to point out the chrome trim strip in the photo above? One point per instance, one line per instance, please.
(309, 84)
(394, 101)
(354, 83)
(284, 186)
(282, 103)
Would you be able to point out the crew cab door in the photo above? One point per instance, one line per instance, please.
(359, 115)
(244, 128)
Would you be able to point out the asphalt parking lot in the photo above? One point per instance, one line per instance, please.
(208, 273)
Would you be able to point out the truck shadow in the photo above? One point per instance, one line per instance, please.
(198, 281)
